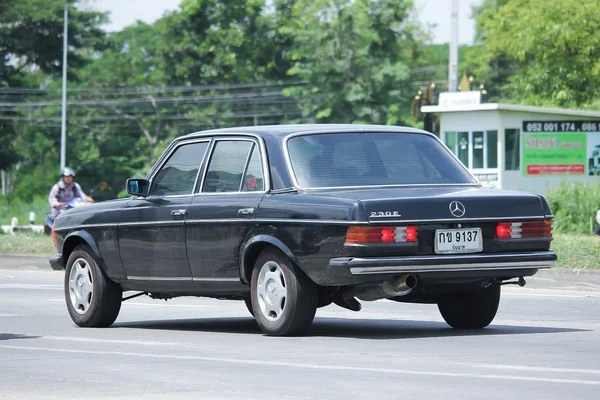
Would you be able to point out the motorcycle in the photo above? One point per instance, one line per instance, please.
(49, 218)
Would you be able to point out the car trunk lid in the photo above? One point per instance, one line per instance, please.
(443, 203)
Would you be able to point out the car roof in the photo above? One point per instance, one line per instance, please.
(285, 130)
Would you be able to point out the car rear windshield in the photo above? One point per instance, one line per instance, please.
(372, 159)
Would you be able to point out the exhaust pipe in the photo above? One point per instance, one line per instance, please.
(400, 286)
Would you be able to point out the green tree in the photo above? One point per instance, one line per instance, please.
(491, 68)
(31, 36)
(31, 50)
(216, 41)
(552, 49)
(355, 58)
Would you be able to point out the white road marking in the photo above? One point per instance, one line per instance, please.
(314, 366)
(99, 340)
(29, 286)
(531, 368)
(574, 296)
(12, 315)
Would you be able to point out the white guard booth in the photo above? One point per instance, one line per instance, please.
(518, 147)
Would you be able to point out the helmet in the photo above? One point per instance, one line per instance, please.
(67, 172)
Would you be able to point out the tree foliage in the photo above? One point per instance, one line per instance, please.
(31, 36)
(355, 57)
(31, 43)
(210, 63)
(550, 50)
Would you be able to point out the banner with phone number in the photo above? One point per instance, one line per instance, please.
(560, 147)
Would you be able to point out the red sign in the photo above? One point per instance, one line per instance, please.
(556, 169)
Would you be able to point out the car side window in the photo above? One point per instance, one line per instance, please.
(178, 175)
(253, 178)
(226, 166)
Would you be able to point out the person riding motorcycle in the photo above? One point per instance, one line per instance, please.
(65, 190)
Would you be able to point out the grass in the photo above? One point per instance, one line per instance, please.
(26, 244)
(577, 251)
(574, 251)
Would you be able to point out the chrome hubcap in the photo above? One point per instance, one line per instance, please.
(272, 291)
(81, 286)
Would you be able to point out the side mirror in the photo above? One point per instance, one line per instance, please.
(137, 187)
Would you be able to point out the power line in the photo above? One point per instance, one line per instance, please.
(186, 88)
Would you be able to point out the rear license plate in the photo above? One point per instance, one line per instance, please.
(449, 241)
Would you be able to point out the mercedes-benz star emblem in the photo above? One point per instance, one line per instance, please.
(457, 209)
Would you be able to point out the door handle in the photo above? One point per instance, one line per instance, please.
(178, 213)
(245, 211)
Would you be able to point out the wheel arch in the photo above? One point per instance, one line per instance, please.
(252, 249)
(75, 238)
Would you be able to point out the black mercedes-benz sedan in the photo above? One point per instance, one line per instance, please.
(291, 218)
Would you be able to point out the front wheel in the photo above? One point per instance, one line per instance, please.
(284, 299)
(93, 300)
(248, 302)
(471, 310)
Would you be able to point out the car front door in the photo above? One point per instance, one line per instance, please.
(152, 229)
(221, 212)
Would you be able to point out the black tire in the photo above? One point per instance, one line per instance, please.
(248, 302)
(301, 299)
(99, 308)
(472, 310)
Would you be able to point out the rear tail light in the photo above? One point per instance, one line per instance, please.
(381, 234)
(518, 230)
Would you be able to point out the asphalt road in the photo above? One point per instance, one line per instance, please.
(544, 344)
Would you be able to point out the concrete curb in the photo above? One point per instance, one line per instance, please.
(566, 277)
(25, 262)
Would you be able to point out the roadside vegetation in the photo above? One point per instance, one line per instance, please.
(26, 243)
(574, 250)
(577, 251)
(574, 205)
(11, 207)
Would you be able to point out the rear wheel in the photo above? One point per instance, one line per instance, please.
(471, 310)
(93, 300)
(284, 299)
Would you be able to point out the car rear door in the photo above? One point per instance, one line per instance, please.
(152, 229)
(222, 211)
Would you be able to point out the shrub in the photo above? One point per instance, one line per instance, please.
(11, 206)
(574, 205)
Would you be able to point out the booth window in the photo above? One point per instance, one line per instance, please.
(451, 141)
(511, 149)
(480, 146)
(462, 151)
(478, 142)
(492, 149)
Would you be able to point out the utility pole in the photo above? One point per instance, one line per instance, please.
(453, 59)
(63, 128)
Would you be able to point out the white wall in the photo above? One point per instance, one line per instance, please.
(470, 120)
(514, 180)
